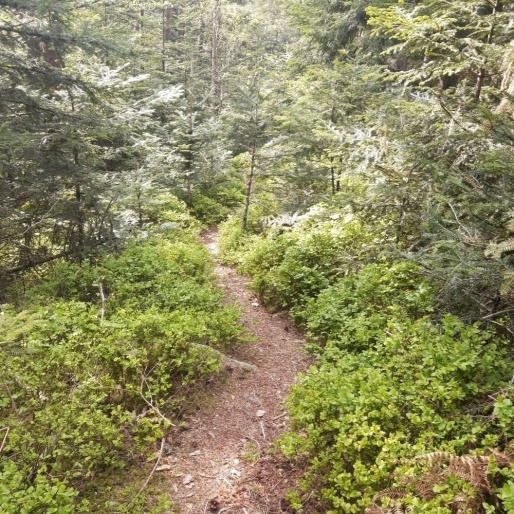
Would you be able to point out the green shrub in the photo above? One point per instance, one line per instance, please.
(290, 267)
(212, 202)
(73, 381)
(167, 272)
(356, 417)
(89, 382)
(165, 207)
(208, 210)
(43, 496)
(355, 310)
(233, 241)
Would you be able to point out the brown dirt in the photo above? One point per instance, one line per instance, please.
(220, 462)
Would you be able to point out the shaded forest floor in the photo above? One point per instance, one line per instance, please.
(220, 461)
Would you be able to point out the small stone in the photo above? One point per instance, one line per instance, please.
(260, 413)
(196, 453)
(187, 479)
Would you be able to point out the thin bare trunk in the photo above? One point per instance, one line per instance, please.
(332, 175)
(215, 64)
(482, 74)
(251, 175)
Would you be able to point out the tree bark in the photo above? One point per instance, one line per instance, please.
(249, 184)
(482, 74)
(215, 65)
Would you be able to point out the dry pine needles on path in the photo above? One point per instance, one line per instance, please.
(220, 461)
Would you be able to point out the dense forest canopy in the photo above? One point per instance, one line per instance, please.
(359, 155)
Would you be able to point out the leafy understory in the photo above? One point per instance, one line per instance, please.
(362, 151)
(98, 362)
(407, 409)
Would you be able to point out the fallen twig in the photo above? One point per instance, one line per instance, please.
(7, 429)
(279, 416)
(279, 482)
(159, 457)
(262, 430)
(150, 404)
(102, 297)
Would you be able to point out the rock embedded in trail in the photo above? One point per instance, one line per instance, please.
(187, 479)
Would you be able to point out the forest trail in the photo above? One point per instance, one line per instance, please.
(220, 462)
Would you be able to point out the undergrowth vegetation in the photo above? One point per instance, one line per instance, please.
(407, 408)
(212, 202)
(97, 361)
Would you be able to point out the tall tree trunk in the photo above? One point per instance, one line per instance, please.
(79, 199)
(251, 175)
(482, 74)
(138, 27)
(401, 211)
(166, 32)
(188, 155)
(332, 169)
(332, 175)
(249, 186)
(215, 57)
(139, 197)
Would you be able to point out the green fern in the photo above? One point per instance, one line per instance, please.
(507, 287)
(498, 250)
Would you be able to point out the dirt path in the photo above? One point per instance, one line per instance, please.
(220, 463)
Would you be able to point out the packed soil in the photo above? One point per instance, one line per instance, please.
(221, 460)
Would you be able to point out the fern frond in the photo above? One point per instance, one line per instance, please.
(507, 286)
(497, 250)
(510, 224)
(503, 459)
(462, 504)
(425, 485)
(473, 469)
(395, 496)
(435, 457)
(392, 493)
(472, 181)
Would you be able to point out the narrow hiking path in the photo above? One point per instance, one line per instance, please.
(219, 463)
